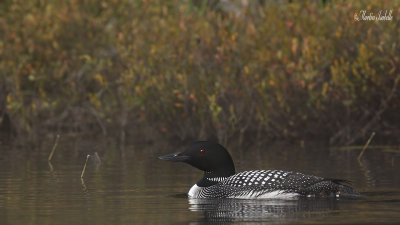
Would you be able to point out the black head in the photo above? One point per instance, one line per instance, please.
(208, 156)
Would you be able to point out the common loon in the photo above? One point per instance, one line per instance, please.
(221, 181)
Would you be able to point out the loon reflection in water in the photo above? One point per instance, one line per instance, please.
(256, 209)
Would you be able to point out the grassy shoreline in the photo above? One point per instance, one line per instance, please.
(299, 70)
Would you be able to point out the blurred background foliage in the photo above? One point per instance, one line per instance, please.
(242, 70)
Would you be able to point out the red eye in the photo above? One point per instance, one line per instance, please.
(202, 151)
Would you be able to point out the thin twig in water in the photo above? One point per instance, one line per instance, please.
(97, 157)
(54, 148)
(365, 146)
(97, 161)
(84, 188)
(84, 166)
(50, 166)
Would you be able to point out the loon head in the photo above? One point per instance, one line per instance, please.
(208, 156)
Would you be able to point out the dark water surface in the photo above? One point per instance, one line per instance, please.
(131, 186)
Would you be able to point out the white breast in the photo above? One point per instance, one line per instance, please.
(266, 195)
(194, 191)
(198, 192)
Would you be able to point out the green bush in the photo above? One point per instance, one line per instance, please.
(273, 70)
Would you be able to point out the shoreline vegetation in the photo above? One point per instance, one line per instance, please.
(200, 70)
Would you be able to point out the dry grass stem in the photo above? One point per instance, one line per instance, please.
(84, 166)
(365, 146)
(54, 148)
